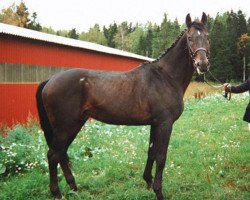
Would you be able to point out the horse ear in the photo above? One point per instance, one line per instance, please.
(204, 18)
(188, 20)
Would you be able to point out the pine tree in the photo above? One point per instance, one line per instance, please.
(242, 24)
(149, 41)
(73, 34)
(220, 51)
(34, 25)
(110, 33)
(156, 51)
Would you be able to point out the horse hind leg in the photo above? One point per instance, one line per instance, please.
(53, 160)
(57, 154)
(64, 161)
(65, 165)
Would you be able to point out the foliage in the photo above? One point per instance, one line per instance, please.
(20, 152)
(226, 60)
(243, 43)
(73, 34)
(94, 35)
(19, 15)
(110, 33)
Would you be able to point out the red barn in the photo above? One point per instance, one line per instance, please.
(28, 57)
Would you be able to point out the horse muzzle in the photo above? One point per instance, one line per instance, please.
(201, 66)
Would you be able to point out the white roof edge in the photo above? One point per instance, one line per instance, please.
(27, 33)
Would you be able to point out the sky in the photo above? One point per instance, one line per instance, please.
(83, 14)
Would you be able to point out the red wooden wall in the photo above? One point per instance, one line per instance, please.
(29, 51)
(17, 100)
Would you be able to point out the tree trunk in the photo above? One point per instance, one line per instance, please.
(244, 68)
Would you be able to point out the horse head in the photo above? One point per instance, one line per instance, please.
(198, 44)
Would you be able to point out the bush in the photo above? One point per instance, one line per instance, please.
(20, 152)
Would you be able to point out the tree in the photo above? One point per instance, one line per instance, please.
(231, 39)
(136, 40)
(9, 15)
(23, 15)
(94, 35)
(243, 45)
(242, 24)
(110, 33)
(248, 26)
(34, 25)
(73, 34)
(16, 15)
(121, 37)
(156, 47)
(210, 22)
(49, 30)
(165, 35)
(148, 50)
(220, 51)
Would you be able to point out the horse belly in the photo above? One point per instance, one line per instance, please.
(121, 121)
(121, 115)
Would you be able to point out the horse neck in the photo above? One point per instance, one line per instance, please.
(177, 64)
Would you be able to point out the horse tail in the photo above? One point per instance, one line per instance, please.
(43, 117)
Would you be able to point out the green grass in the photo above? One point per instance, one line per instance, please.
(208, 158)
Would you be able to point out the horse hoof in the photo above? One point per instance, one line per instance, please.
(60, 198)
(149, 186)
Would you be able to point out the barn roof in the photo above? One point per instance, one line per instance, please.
(27, 33)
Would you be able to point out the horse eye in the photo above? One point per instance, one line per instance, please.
(190, 39)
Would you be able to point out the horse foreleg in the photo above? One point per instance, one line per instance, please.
(162, 136)
(147, 175)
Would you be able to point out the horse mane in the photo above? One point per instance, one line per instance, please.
(171, 47)
(195, 24)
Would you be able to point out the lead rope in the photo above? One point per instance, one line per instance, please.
(227, 94)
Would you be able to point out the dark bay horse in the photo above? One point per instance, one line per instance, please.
(151, 94)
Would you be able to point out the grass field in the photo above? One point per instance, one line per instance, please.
(208, 158)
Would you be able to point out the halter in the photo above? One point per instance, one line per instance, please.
(193, 53)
